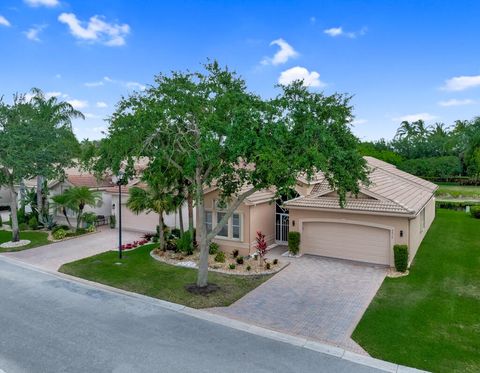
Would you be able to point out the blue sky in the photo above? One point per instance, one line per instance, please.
(400, 60)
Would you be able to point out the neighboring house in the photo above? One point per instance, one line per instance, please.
(396, 208)
(4, 197)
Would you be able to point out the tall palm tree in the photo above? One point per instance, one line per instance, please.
(153, 198)
(62, 201)
(50, 112)
(79, 197)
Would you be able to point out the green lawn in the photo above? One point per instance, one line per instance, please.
(36, 238)
(142, 274)
(431, 318)
(458, 191)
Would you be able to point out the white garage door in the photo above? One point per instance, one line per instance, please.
(347, 241)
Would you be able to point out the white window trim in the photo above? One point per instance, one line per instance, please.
(229, 224)
(422, 220)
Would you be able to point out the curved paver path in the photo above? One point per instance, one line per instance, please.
(54, 255)
(314, 297)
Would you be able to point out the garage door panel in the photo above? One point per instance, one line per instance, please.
(347, 241)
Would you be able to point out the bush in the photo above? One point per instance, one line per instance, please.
(176, 232)
(249, 268)
(400, 253)
(434, 167)
(184, 244)
(155, 239)
(235, 253)
(275, 261)
(220, 257)
(112, 221)
(23, 226)
(231, 266)
(91, 229)
(213, 248)
(239, 259)
(80, 231)
(475, 212)
(268, 265)
(64, 227)
(1, 221)
(171, 245)
(33, 223)
(59, 234)
(294, 242)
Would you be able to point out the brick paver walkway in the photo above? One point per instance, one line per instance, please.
(314, 297)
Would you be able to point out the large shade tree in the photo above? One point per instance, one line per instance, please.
(209, 128)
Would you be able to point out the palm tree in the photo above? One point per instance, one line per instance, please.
(79, 197)
(50, 112)
(406, 129)
(153, 198)
(61, 201)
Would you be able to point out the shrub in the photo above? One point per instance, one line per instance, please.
(239, 259)
(23, 226)
(155, 239)
(275, 261)
(400, 253)
(475, 212)
(231, 266)
(171, 245)
(59, 234)
(89, 218)
(213, 249)
(184, 244)
(91, 229)
(434, 167)
(1, 221)
(33, 223)
(268, 265)
(80, 231)
(220, 257)
(176, 232)
(235, 253)
(112, 221)
(294, 242)
(56, 228)
(249, 268)
(261, 245)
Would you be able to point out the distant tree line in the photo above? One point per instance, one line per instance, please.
(437, 151)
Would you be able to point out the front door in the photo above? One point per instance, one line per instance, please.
(281, 227)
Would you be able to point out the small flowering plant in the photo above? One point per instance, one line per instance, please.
(261, 245)
(134, 244)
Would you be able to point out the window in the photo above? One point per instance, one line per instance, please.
(224, 231)
(422, 220)
(236, 226)
(208, 220)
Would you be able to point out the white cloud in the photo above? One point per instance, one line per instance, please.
(4, 22)
(55, 94)
(106, 79)
(33, 32)
(78, 104)
(310, 79)
(94, 84)
(96, 30)
(455, 102)
(47, 3)
(359, 121)
(285, 52)
(460, 83)
(101, 104)
(58, 76)
(415, 117)
(339, 31)
(135, 85)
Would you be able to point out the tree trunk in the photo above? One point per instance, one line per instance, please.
(22, 193)
(190, 216)
(13, 212)
(202, 279)
(64, 210)
(161, 234)
(180, 218)
(79, 217)
(39, 195)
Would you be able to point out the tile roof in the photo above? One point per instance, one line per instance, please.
(393, 191)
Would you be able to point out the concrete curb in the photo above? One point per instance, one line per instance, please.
(323, 348)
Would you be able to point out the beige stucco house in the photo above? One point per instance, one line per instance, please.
(396, 208)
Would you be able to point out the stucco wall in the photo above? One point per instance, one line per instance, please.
(4, 197)
(262, 218)
(416, 232)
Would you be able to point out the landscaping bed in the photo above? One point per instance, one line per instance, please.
(36, 239)
(430, 318)
(139, 272)
(247, 266)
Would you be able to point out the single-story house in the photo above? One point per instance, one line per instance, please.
(395, 208)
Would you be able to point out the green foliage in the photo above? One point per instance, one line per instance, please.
(438, 167)
(239, 260)
(80, 231)
(275, 261)
(47, 221)
(112, 221)
(294, 242)
(91, 228)
(184, 244)
(235, 253)
(23, 226)
(231, 266)
(59, 234)
(475, 212)
(176, 232)
(220, 257)
(268, 265)
(213, 248)
(249, 268)
(89, 218)
(58, 227)
(400, 253)
(455, 205)
(380, 150)
(1, 221)
(33, 223)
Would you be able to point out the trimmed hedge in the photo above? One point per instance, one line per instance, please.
(434, 167)
(475, 212)
(455, 205)
(400, 253)
(294, 242)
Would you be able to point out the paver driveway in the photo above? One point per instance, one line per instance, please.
(53, 256)
(314, 297)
